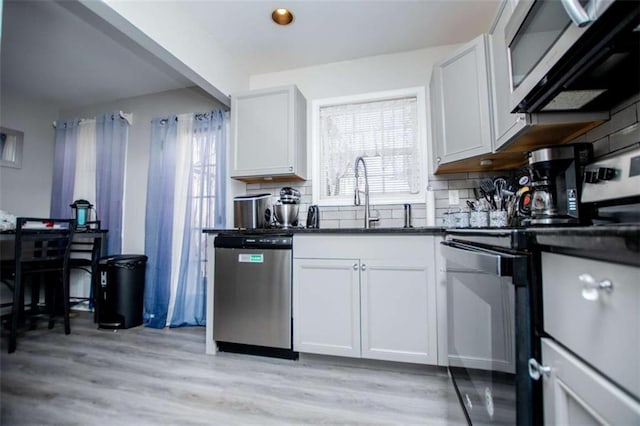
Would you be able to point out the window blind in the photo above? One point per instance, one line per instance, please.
(384, 132)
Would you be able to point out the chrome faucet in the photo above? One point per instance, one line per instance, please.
(356, 198)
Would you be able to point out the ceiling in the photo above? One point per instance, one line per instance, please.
(332, 31)
(52, 55)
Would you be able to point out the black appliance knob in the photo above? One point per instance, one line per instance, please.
(591, 176)
(606, 173)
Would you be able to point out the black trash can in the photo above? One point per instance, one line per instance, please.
(121, 295)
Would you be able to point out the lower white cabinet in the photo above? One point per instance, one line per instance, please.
(395, 310)
(575, 394)
(372, 297)
(326, 306)
(591, 372)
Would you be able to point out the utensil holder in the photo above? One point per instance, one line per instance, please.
(479, 219)
(498, 219)
(449, 220)
(462, 219)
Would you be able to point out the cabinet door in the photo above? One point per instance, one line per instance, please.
(464, 104)
(575, 394)
(326, 306)
(435, 101)
(398, 311)
(609, 317)
(269, 133)
(506, 125)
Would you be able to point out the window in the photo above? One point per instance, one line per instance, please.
(387, 129)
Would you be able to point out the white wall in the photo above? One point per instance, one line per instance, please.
(371, 74)
(144, 109)
(27, 191)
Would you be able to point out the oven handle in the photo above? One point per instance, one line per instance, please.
(480, 259)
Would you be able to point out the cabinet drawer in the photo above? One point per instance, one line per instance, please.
(575, 394)
(601, 327)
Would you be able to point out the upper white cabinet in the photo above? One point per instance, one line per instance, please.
(506, 124)
(269, 134)
(365, 296)
(461, 104)
(472, 125)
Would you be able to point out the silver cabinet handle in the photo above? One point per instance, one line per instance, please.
(576, 12)
(591, 288)
(438, 160)
(355, 266)
(467, 401)
(537, 370)
(363, 267)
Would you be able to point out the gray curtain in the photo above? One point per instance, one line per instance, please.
(159, 221)
(111, 141)
(64, 168)
(205, 209)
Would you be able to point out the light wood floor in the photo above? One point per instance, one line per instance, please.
(143, 376)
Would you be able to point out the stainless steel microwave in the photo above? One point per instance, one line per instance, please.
(573, 55)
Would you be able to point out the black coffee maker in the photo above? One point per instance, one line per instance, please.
(556, 183)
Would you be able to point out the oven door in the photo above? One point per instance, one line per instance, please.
(488, 333)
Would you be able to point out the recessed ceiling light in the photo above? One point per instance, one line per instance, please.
(282, 16)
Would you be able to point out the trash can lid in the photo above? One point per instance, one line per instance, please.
(122, 259)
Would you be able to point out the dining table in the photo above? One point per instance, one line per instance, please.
(7, 239)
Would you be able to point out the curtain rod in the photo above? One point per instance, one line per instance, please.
(197, 115)
(127, 116)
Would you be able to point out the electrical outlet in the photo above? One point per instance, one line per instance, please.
(454, 197)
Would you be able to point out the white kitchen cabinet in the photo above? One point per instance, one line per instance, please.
(461, 104)
(326, 306)
(575, 394)
(365, 296)
(589, 365)
(577, 318)
(395, 311)
(269, 134)
(506, 124)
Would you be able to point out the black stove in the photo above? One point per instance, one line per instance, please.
(494, 294)
(612, 191)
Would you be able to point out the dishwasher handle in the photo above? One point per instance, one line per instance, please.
(260, 242)
(481, 259)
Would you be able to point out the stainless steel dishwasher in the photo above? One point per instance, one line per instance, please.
(252, 294)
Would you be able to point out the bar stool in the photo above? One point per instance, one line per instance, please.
(84, 256)
(42, 248)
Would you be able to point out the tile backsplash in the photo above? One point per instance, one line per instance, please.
(622, 130)
(343, 216)
(391, 215)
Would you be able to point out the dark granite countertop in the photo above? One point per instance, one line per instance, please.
(423, 230)
(617, 243)
(621, 230)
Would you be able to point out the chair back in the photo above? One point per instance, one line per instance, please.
(43, 244)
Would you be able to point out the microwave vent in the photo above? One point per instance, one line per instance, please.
(572, 100)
